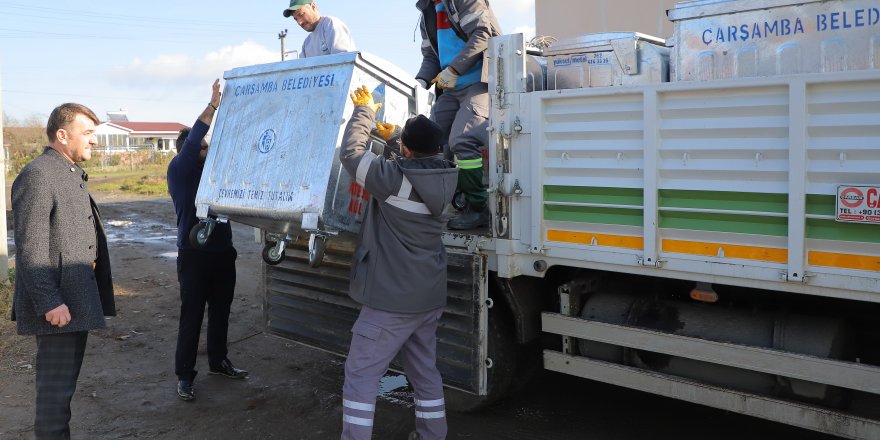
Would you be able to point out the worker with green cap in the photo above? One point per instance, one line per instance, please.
(327, 35)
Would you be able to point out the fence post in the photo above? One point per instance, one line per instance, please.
(4, 247)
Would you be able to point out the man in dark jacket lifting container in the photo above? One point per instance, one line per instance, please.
(399, 267)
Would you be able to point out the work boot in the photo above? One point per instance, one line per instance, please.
(471, 218)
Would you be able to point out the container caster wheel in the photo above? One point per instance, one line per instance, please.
(200, 233)
(458, 201)
(273, 253)
(317, 244)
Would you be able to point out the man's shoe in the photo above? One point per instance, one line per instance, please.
(185, 390)
(226, 369)
(471, 218)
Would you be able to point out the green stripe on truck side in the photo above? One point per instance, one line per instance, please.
(587, 214)
(821, 229)
(817, 204)
(724, 200)
(738, 223)
(590, 194)
(827, 229)
(821, 204)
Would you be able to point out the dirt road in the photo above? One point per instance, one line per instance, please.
(127, 385)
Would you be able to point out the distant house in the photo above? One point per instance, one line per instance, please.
(124, 135)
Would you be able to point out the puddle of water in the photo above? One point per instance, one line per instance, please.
(394, 388)
(130, 231)
(163, 237)
(392, 382)
(169, 255)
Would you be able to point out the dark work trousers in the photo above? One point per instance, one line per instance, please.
(377, 336)
(205, 278)
(464, 116)
(59, 358)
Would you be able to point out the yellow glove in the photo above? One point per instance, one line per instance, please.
(362, 96)
(446, 79)
(385, 130)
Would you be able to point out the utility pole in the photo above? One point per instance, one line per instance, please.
(4, 248)
(281, 36)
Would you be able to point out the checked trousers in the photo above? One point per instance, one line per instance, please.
(59, 359)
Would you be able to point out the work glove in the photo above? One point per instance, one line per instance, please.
(387, 131)
(391, 134)
(362, 96)
(446, 79)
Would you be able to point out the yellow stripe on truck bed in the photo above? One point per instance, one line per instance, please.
(775, 255)
(589, 238)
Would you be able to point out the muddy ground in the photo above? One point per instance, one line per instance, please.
(127, 385)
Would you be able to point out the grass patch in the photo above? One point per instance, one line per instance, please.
(149, 185)
(123, 171)
(6, 296)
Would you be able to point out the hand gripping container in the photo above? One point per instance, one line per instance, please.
(274, 160)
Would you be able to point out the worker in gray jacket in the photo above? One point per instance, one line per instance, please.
(399, 267)
(455, 36)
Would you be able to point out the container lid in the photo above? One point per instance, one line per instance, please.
(581, 42)
(705, 8)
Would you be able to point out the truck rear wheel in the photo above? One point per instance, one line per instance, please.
(502, 351)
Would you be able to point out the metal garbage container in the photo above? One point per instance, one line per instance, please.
(717, 39)
(274, 162)
(606, 59)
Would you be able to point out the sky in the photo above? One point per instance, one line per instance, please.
(158, 58)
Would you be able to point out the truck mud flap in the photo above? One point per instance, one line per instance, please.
(311, 306)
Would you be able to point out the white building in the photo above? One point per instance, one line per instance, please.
(124, 135)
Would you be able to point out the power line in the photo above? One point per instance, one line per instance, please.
(93, 96)
(65, 16)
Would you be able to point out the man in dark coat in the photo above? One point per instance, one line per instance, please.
(63, 285)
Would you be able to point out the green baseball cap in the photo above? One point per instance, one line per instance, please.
(294, 5)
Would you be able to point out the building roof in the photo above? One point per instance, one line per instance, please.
(143, 129)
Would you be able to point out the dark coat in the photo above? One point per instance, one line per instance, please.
(58, 236)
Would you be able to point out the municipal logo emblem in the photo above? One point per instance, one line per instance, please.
(267, 141)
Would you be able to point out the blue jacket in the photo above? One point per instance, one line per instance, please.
(472, 20)
(184, 174)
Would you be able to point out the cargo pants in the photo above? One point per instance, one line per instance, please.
(377, 336)
(464, 116)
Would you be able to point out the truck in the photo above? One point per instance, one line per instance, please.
(712, 236)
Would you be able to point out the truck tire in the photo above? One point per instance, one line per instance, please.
(502, 350)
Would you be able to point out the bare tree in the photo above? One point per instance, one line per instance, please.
(35, 120)
(9, 121)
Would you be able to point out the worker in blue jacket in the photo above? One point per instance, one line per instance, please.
(206, 275)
